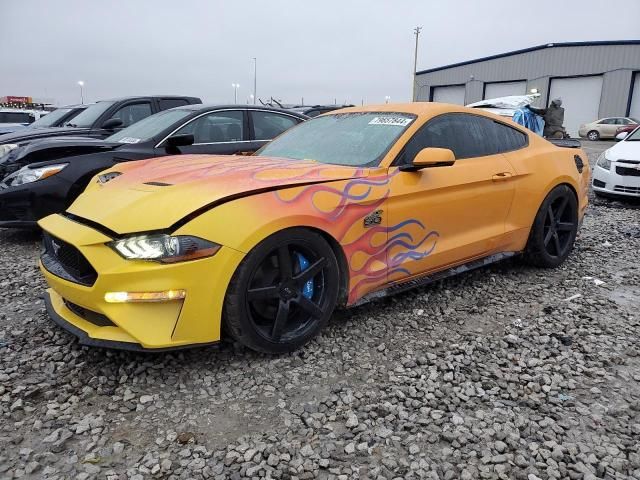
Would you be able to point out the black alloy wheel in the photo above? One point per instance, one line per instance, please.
(559, 224)
(554, 229)
(283, 293)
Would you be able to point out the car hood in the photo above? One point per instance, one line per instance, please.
(157, 194)
(624, 151)
(52, 149)
(30, 134)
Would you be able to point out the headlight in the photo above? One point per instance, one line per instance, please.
(6, 148)
(164, 248)
(603, 161)
(28, 174)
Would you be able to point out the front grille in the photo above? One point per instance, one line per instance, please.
(623, 189)
(66, 261)
(599, 183)
(96, 318)
(631, 172)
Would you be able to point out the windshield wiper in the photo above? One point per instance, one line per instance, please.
(71, 125)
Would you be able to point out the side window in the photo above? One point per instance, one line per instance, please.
(132, 113)
(607, 121)
(499, 138)
(167, 103)
(457, 132)
(465, 135)
(216, 127)
(268, 125)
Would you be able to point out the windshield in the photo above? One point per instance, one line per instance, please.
(355, 139)
(52, 118)
(87, 118)
(149, 127)
(634, 120)
(633, 136)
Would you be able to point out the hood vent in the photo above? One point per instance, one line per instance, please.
(158, 184)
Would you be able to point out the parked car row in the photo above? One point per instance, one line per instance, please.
(45, 176)
(160, 233)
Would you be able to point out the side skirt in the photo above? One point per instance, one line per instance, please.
(423, 280)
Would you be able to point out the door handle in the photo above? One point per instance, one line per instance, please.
(498, 177)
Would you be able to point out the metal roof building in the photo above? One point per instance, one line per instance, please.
(594, 79)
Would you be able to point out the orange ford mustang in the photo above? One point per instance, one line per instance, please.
(349, 206)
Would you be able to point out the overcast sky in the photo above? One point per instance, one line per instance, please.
(348, 50)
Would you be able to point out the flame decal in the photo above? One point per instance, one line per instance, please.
(371, 264)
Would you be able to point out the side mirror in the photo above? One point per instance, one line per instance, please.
(112, 124)
(180, 140)
(430, 157)
(622, 135)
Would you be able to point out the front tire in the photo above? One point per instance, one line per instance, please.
(593, 135)
(554, 229)
(283, 293)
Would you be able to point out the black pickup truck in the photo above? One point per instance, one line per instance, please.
(99, 120)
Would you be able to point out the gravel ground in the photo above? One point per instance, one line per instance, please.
(504, 372)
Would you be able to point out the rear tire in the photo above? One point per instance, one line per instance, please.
(554, 229)
(593, 135)
(283, 293)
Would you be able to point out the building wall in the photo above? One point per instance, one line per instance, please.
(617, 62)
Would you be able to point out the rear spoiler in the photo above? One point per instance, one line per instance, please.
(566, 142)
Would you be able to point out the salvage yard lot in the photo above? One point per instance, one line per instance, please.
(491, 374)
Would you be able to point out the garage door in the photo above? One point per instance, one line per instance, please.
(495, 90)
(453, 94)
(580, 99)
(634, 111)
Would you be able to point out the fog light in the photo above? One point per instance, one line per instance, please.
(132, 297)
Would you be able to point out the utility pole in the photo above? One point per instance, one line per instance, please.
(255, 79)
(416, 32)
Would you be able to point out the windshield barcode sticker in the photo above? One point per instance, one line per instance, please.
(389, 120)
(129, 140)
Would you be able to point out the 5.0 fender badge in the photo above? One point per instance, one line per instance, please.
(373, 219)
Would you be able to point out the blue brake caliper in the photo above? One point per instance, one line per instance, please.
(307, 289)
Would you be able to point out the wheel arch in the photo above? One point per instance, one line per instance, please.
(343, 265)
(547, 191)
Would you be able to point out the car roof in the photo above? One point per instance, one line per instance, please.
(78, 105)
(20, 110)
(135, 97)
(416, 108)
(203, 108)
